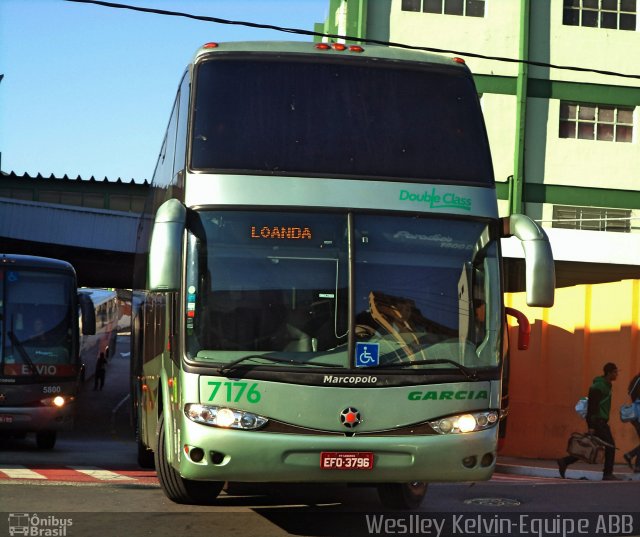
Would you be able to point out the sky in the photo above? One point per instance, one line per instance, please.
(87, 90)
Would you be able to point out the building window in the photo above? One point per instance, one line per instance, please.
(95, 201)
(22, 194)
(614, 14)
(137, 204)
(71, 198)
(47, 196)
(592, 218)
(468, 8)
(120, 203)
(596, 122)
(411, 5)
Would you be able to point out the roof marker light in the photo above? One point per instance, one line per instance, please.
(458, 60)
(322, 46)
(210, 45)
(339, 46)
(356, 48)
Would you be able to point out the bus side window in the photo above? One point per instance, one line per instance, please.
(181, 134)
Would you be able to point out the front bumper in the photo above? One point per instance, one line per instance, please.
(37, 418)
(252, 456)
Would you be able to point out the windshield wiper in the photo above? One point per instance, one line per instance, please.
(223, 370)
(471, 374)
(23, 354)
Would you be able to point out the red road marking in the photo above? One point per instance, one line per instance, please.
(71, 475)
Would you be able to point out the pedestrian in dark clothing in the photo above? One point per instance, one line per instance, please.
(634, 393)
(101, 369)
(598, 421)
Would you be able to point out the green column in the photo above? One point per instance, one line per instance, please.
(356, 18)
(515, 202)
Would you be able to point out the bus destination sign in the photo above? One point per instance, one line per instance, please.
(281, 232)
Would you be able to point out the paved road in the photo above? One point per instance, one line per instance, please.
(132, 508)
(91, 478)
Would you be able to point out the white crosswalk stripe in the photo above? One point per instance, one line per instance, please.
(15, 471)
(102, 475)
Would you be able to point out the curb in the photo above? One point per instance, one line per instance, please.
(549, 471)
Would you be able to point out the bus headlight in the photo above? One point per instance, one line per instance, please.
(228, 418)
(57, 401)
(465, 423)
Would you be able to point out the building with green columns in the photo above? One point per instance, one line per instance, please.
(565, 142)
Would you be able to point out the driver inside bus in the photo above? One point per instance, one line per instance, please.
(37, 334)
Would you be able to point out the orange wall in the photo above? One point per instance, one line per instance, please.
(588, 326)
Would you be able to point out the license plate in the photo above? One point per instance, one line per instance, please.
(4, 418)
(346, 460)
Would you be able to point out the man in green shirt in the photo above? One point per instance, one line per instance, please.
(598, 421)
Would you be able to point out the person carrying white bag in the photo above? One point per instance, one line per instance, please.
(598, 410)
(634, 393)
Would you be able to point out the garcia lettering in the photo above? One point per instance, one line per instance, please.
(447, 395)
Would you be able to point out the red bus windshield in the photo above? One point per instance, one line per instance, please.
(36, 323)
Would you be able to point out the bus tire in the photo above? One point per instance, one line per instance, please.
(402, 495)
(45, 439)
(175, 487)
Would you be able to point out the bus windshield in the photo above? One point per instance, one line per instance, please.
(371, 120)
(35, 316)
(276, 285)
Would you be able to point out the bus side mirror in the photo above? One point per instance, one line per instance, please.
(88, 314)
(165, 251)
(540, 270)
(524, 328)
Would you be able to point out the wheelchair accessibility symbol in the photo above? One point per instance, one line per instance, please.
(367, 354)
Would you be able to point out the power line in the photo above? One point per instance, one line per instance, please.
(311, 33)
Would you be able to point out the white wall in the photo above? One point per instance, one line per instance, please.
(500, 118)
(573, 162)
(495, 34)
(597, 48)
(585, 246)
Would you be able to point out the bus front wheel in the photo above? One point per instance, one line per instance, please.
(402, 495)
(175, 487)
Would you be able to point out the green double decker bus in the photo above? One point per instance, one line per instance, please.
(319, 275)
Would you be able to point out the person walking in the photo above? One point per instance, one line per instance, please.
(598, 411)
(101, 369)
(634, 393)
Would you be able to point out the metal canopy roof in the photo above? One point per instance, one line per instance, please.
(81, 227)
